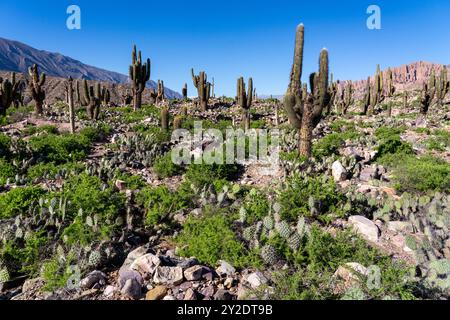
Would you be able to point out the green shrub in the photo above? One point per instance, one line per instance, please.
(159, 202)
(59, 148)
(132, 182)
(97, 133)
(50, 170)
(204, 174)
(56, 272)
(165, 168)
(5, 144)
(211, 238)
(93, 196)
(90, 197)
(421, 174)
(439, 142)
(323, 253)
(48, 128)
(388, 133)
(295, 198)
(331, 143)
(7, 170)
(18, 200)
(256, 205)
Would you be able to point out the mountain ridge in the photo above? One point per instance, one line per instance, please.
(17, 57)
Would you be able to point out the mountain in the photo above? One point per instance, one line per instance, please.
(16, 56)
(406, 77)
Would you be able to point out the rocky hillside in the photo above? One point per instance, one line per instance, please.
(406, 77)
(16, 56)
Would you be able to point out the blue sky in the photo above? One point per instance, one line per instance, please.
(234, 38)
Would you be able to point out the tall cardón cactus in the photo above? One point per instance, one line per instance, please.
(377, 92)
(426, 97)
(36, 85)
(70, 91)
(442, 86)
(185, 91)
(160, 94)
(244, 100)
(366, 99)
(390, 84)
(139, 75)
(203, 88)
(9, 92)
(94, 97)
(332, 91)
(346, 98)
(303, 108)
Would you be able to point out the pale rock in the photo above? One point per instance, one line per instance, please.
(256, 279)
(366, 228)
(194, 273)
(168, 275)
(225, 268)
(146, 265)
(338, 171)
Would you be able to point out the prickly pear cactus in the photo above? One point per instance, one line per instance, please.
(283, 229)
(4, 275)
(269, 254)
(95, 258)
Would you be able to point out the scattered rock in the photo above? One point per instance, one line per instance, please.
(168, 275)
(194, 273)
(256, 279)
(156, 293)
(366, 228)
(93, 278)
(127, 274)
(225, 268)
(109, 291)
(208, 291)
(190, 295)
(338, 171)
(222, 294)
(146, 265)
(132, 289)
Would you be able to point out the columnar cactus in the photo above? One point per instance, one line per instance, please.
(70, 91)
(36, 84)
(139, 75)
(164, 119)
(9, 90)
(78, 97)
(426, 97)
(377, 92)
(93, 98)
(390, 84)
(304, 109)
(442, 86)
(184, 91)
(244, 100)
(203, 88)
(160, 94)
(126, 98)
(346, 98)
(366, 100)
(177, 122)
(332, 91)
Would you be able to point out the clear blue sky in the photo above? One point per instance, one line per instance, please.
(234, 38)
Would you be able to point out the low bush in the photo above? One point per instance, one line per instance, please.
(17, 201)
(211, 238)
